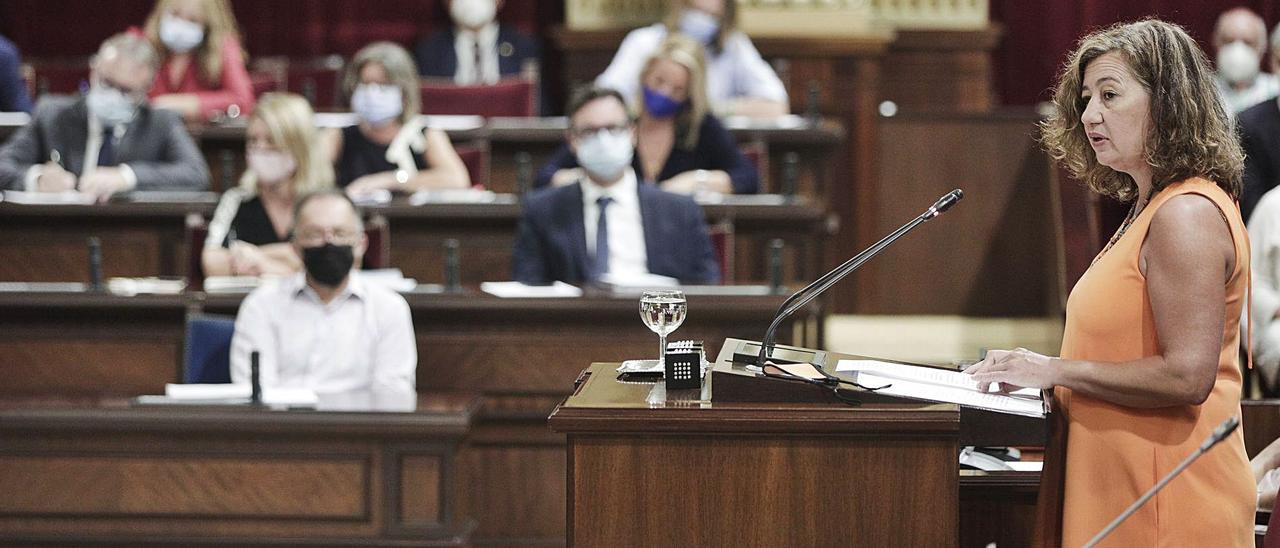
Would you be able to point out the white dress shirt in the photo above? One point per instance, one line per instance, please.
(1265, 86)
(1264, 241)
(737, 71)
(464, 45)
(92, 146)
(627, 253)
(362, 340)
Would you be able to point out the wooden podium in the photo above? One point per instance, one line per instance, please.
(648, 468)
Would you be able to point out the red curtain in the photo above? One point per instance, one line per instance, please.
(1039, 33)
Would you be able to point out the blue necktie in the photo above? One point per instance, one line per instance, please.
(602, 237)
(107, 154)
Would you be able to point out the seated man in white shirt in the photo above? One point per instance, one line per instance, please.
(327, 329)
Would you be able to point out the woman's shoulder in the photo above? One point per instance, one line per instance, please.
(650, 35)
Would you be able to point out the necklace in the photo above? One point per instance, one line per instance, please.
(1128, 220)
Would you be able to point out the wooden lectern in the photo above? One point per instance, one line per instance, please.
(648, 468)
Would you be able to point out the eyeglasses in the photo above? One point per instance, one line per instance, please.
(137, 96)
(312, 236)
(586, 132)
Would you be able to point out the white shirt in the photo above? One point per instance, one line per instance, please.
(627, 253)
(362, 340)
(93, 145)
(464, 45)
(1265, 86)
(737, 72)
(1264, 241)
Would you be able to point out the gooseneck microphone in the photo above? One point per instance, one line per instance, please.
(1220, 433)
(810, 292)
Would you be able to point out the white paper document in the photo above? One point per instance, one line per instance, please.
(233, 393)
(48, 198)
(513, 290)
(931, 384)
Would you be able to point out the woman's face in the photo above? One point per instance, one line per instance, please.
(668, 78)
(1117, 113)
(191, 10)
(258, 136)
(374, 73)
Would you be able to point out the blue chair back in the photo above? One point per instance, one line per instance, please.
(208, 349)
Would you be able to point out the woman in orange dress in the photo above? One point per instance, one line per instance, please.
(1149, 363)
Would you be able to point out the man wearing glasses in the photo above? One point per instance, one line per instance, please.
(109, 140)
(326, 329)
(605, 223)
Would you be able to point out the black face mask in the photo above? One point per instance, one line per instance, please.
(328, 264)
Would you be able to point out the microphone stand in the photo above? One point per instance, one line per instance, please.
(1218, 435)
(810, 292)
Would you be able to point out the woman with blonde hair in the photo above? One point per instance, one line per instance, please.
(1150, 362)
(249, 233)
(680, 145)
(390, 148)
(739, 81)
(203, 74)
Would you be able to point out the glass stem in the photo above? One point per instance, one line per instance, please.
(662, 350)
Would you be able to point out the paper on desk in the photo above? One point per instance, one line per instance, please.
(47, 198)
(373, 197)
(624, 283)
(1014, 405)
(519, 290)
(452, 196)
(150, 285)
(230, 284)
(238, 393)
(942, 377)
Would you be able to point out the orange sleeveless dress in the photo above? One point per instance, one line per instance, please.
(1115, 453)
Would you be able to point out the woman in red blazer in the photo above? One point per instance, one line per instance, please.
(203, 75)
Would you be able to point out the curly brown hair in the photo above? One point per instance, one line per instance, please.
(1192, 133)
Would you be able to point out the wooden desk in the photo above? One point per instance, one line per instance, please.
(48, 243)
(755, 474)
(105, 471)
(520, 355)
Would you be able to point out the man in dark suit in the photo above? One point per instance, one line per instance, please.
(606, 223)
(108, 141)
(476, 50)
(1260, 138)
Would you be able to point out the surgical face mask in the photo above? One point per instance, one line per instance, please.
(271, 166)
(377, 104)
(699, 25)
(329, 263)
(180, 35)
(1238, 63)
(606, 153)
(473, 13)
(111, 106)
(659, 105)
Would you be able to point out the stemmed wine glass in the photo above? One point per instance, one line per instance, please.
(663, 311)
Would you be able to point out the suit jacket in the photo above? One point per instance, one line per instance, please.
(156, 146)
(1260, 137)
(437, 58)
(551, 241)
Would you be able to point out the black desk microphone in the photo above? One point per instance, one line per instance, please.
(1228, 426)
(95, 263)
(255, 382)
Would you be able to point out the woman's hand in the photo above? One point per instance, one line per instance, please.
(1014, 369)
(568, 176)
(372, 182)
(698, 180)
(246, 259)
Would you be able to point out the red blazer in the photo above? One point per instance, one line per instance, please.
(235, 87)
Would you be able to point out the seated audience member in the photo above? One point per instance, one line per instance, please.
(326, 328)
(390, 148)
(1264, 242)
(1240, 38)
(739, 81)
(1260, 137)
(606, 221)
(680, 145)
(203, 73)
(249, 233)
(109, 140)
(13, 89)
(476, 49)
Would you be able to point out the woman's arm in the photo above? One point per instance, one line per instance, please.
(234, 88)
(446, 171)
(1187, 257)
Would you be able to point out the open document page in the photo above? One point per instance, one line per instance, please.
(940, 385)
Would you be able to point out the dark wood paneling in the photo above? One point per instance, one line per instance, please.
(994, 254)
